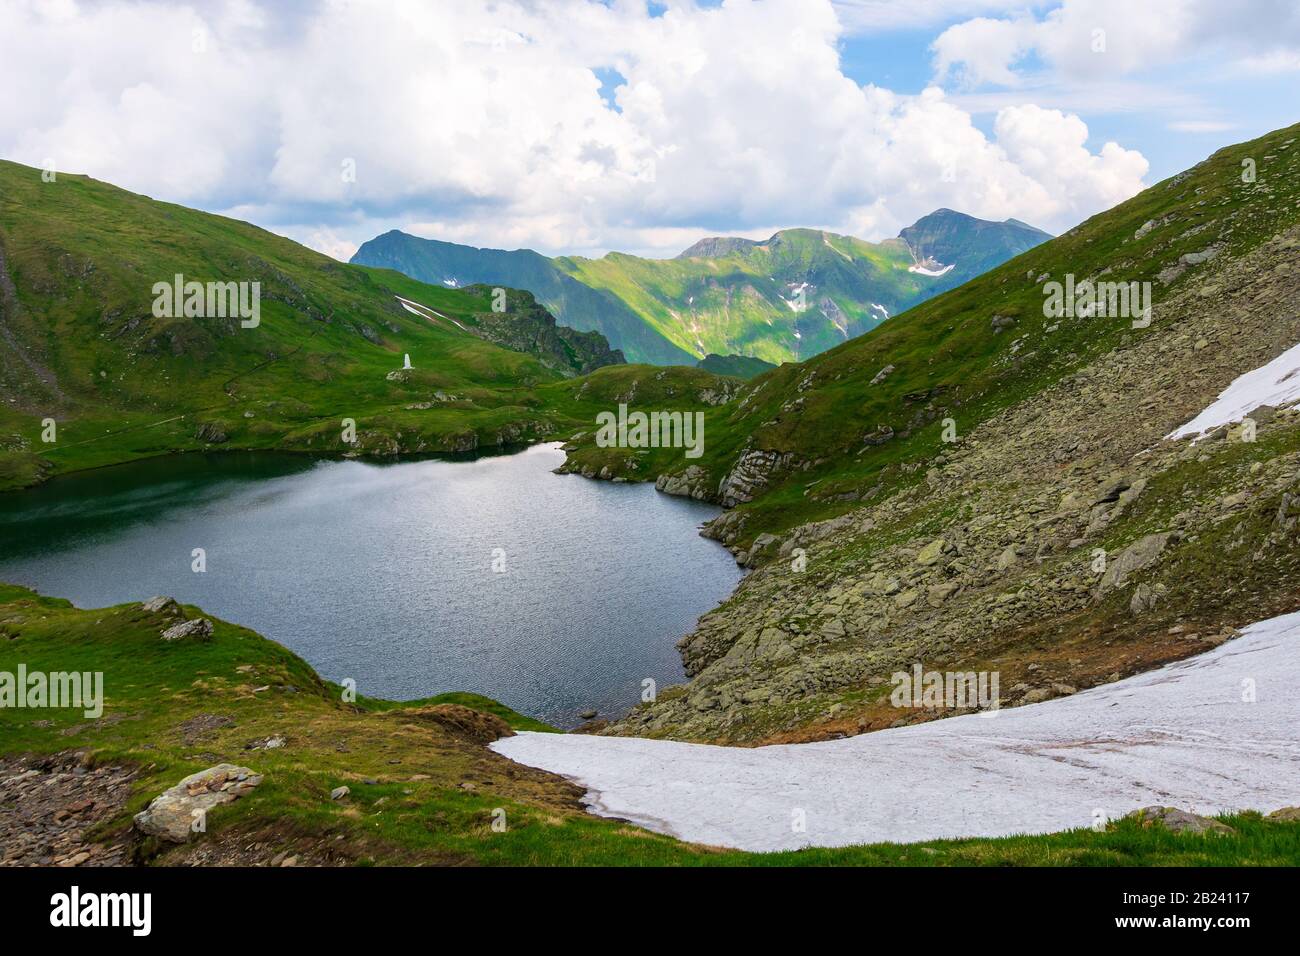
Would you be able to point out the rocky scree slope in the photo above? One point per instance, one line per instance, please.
(1060, 539)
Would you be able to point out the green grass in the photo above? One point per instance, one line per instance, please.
(418, 809)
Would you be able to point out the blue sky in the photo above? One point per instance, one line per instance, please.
(1181, 109)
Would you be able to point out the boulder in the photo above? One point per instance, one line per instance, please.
(931, 553)
(1286, 815)
(172, 815)
(1138, 555)
(199, 629)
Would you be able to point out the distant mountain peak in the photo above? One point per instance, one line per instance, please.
(714, 247)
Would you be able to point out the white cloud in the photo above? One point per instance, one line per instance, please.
(485, 124)
(1105, 39)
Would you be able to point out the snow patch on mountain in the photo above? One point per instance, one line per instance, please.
(1276, 383)
(938, 269)
(424, 312)
(1179, 735)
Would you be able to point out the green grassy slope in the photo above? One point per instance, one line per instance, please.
(78, 262)
(738, 366)
(422, 790)
(748, 301)
(801, 292)
(579, 306)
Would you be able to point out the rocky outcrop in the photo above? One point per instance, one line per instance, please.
(180, 812)
(692, 482)
(526, 326)
(212, 433)
(753, 471)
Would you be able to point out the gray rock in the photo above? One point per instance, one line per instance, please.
(172, 815)
(1143, 600)
(199, 629)
(1140, 554)
(931, 553)
(338, 793)
(161, 605)
(688, 483)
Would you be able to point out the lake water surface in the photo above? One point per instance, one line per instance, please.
(385, 573)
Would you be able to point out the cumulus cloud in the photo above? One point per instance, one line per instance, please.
(486, 123)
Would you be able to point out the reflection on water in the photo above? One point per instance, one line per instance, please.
(385, 573)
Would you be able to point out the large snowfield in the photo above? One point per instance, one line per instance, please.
(1217, 732)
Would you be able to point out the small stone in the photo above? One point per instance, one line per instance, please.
(338, 793)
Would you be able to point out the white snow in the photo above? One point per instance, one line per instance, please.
(881, 308)
(451, 282)
(795, 304)
(424, 312)
(1181, 735)
(1276, 384)
(933, 273)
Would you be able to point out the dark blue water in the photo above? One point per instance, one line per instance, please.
(385, 573)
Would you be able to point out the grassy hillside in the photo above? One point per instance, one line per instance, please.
(78, 264)
(424, 788)
(737, 366)
(447, 264)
